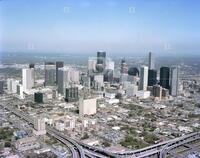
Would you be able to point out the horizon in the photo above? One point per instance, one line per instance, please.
(167, 28)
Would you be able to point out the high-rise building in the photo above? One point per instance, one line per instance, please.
(28, 78)
(101, 61)
(50, 74)
(110, 65)
(174, 77)
(157, 91)
(9, 85)
(143, 78)
(152, 77)
(38, 97)
(124, 67)
(164, 77)
(87, 106)
(63, 79)
(59, 64)
(1, 87)
(39, 126)
(151, 61)
(71, 94)
(108, 76)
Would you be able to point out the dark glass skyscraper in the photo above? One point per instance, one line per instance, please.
(101, 62)
(152, 77)
(59, 64)
(164, 77)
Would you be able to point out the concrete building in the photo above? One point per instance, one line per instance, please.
(131, 90)
(50, 74)
(110, 65)
(28, 78)
(143, 94)
(124, 67)
(39, 126)
(87, 106)
(9, 85)
(20, 91)
(74, 76)
(174, 78)
(143, 78)
(27, 143)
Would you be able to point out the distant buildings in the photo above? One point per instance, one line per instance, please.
(164, 77)
(50, 74)
(143, 78)
(87, 106)
(124, 67)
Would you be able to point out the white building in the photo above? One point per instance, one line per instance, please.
(28, 78)
(143, 78)
(74, 76)
(110, 65)
(143, 94)
(99, 79)
(92, 64)
(39, 126)
(131, 90)
(87, 106)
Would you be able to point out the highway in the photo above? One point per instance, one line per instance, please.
(81, 150)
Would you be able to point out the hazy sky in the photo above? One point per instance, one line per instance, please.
(116, 26)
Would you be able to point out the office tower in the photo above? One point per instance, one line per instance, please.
(20, 91)
(1, 87)
(143, 78)
(85, 80)
(87, 106)
(39, 126)
(63, 79)
(71, 94)
(131, 90)
(59, 64)
(28, 78)
(14, 85)
(92, 62)
(151, 61)
(152, 77)
(157, 91)
(124, 67)
(38, 97)
(108, 76)
(9, 85)
(110, 65)
(50, 74)
(74, 76)
(164, 77)
(101, 61)
(174, 81)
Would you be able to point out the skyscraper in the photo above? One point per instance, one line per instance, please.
(59, 64)
(101, 61)
(28, 78)
(143, 78)
(124, 67)
(174, 81)
(71, 94)
(152, 77)
(164, 77)
(1, 87)
(63, 79)
(151, 61)
(50, 74)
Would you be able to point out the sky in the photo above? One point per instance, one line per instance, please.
(115, 26)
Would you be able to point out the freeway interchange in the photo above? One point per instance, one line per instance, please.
(81, 150)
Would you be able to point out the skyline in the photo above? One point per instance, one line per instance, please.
(138, 26)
